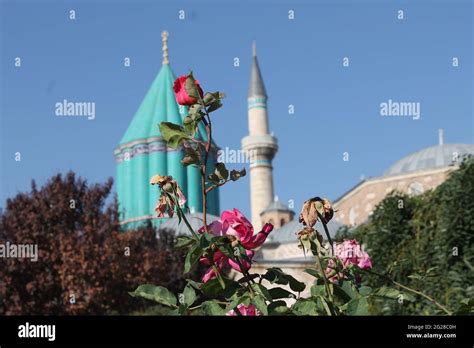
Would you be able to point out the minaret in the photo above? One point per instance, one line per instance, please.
(259, 145)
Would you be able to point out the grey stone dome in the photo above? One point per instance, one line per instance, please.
(431, 158)
(276, 205)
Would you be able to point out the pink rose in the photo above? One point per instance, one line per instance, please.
(349, 252)
(182, 96)
(249, 310)
(235, 225)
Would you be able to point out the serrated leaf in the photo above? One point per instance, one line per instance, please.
(155, 293)
(358, 306)
(277, 293)
(173, 134)
(192, 257)
(183, 241)
(189, 295)
(212, 308)
(304, 307)
(191, 87)
(214, 106)
(318, 290)
(278, 308)
(261, 290)
(261, 305)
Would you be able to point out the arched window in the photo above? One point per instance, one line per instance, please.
(282, 222)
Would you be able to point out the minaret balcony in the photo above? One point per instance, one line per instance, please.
(260, 145)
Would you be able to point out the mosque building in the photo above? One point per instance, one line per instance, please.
(142, 153)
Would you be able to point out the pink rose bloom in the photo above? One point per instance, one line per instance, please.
(182, 96)
(249, 310)
(349, 252)
(234, 223)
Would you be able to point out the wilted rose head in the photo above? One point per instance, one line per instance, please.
(170, 186)
(182, 95)
(313, 209)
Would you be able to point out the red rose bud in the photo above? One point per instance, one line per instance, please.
(181, 93)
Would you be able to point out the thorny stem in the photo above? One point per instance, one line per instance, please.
(326, 282)
(432, 300)
(208, 125)
(209, 189)
(181, 213)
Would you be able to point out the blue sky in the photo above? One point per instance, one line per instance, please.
(337, 109)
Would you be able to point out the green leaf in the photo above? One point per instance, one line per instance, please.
(173, 134)
(349, 289)
(277, 276)
(190, 126)
(191, 87)
(194, 284)
(221, 171)
(192, 257)
(365, 290)
(261, 290)
(213, 287)
(210, 98)
(358, 306)
(318, 290)
(239, 299)
(214, 106)
(393, 293)
(155, 293)
(304, 307)
(325, 305)
(415, 276)
(184, 241)
(278, 308)
(237, 174)
(212, 308)
(277, 293)
(189, 295)
(313, 272)
(261, 305)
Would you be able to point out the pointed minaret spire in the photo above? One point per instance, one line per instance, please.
(256, 87)
(260, 145)
(164, 38)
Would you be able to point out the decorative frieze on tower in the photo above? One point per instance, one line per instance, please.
(259, 145)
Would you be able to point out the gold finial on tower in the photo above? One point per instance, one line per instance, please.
(164, 38)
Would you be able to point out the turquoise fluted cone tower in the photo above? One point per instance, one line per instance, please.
(143, 153)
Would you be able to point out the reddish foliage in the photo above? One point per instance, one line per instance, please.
(81, 252)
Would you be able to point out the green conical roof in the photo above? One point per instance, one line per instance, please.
(159, 105)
